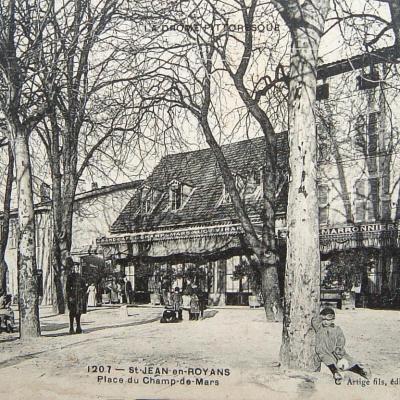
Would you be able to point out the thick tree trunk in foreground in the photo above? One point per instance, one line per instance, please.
(302, 275)
(56, 253)
(26, 259)
(271, 293)
(6, 220)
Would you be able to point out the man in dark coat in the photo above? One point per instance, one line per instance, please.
(128, 290)
(75, 291)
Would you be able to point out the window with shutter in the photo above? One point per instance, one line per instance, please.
(368, 80)
(360, 189)
(360, 200)
(323, 191)
(366, 199)
(179, 194)
(372, 133)
(373, 198)
(370, 211)
(359, 210)
(323, 91)
(359, 133)
(386, 209)
(175, 198)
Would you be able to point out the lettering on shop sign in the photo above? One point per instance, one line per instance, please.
(282, 233)
(358, 228)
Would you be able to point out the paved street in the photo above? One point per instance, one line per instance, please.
(231, 354)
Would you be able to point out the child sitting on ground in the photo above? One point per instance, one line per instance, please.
(329, 346)
(6, 313)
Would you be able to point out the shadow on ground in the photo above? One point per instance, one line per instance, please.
(47, 328)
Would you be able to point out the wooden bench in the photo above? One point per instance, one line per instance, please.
(331, 297)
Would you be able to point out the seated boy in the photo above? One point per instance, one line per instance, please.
(329, 346)
(6, 313)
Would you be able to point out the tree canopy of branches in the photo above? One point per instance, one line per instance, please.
(189, 71)
(21, 31)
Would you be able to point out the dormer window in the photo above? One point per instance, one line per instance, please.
(249, 186)
(178, 195)
(150, 197)
(323, 92)
(368, 80)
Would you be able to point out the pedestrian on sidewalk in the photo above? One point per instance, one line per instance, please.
(6, 312)
(194, 306)
(329, 347)
(113, 291)
(176, 300)
(92, 292)
(186, 303)
(128, 290)
(76, 295)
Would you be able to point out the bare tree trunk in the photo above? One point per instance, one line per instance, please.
(302, 275)
(28, 298)
(56, 259)
(62, 241)
(270, 257)
(6, 220)
(264, 251)
(271, 292)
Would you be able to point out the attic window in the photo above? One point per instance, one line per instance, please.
(368, 81)
(248, 186)
(149, 199)
(178, 195)
(323, 91)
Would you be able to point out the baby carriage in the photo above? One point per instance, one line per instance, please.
(168, 315)
(173, 311)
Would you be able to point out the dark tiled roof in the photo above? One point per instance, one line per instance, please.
(198, 169)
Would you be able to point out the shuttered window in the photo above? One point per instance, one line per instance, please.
(366, 132)
(323, 202)
(372, 134)
(366, 199)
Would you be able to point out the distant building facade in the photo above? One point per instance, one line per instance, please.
(358, 116)
(94, 213)
(181, 229)
(181, 226)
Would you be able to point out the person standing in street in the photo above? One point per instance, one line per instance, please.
(92, 292)
(176, 299)
(194, 306)
(76, 293)
(128, 290)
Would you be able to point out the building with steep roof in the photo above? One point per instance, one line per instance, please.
(182, 220)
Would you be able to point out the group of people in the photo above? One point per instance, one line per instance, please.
(79, 296)
(120, 292)
(329, 344)
(191, 300)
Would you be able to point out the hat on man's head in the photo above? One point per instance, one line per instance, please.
(327, 312)
(69, 262)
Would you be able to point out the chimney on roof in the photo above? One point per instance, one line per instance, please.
(95, 185)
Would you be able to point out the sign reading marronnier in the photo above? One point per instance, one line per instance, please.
(376, 227)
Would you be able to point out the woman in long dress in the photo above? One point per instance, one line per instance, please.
(91, 295)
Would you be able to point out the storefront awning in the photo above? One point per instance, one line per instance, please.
(196, 241)
(374, 235)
